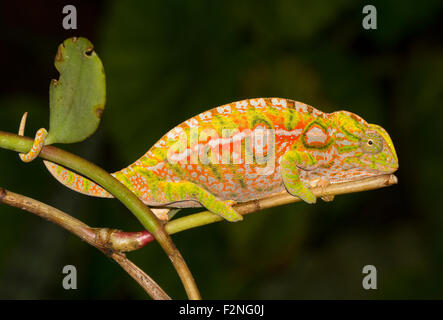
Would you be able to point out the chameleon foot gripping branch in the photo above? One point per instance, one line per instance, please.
(216, 158)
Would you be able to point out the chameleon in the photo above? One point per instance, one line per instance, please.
(243, 151)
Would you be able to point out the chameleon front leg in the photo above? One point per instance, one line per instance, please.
(289, 164)
(185, 191)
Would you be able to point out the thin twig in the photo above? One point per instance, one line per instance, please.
(86, 233)
(206, 217)
(129, 241)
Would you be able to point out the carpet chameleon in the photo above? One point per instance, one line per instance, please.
(218, 157)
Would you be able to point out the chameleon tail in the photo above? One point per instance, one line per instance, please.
(83, 185)
(70, 179)
(75, 181)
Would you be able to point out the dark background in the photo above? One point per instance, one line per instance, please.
(166, 61)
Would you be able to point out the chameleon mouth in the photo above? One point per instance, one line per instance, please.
(388, 168)
(388, 165)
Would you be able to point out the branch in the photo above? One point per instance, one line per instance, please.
(118, 190)
(86, 233)
(206, 217)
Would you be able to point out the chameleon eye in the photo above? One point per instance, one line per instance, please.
(372, 142)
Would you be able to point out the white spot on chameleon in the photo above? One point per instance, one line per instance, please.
(279, 104)
(242, 106)
(192, 123)
(317, 113)
(178, 157)
(325, 155)
(295, 132)
(156, 167)
(301, 107)
(160, 144)
(343, 142)
(258, 103)
(224, 109)
(316, 134)
(206, 115)
(171, 135)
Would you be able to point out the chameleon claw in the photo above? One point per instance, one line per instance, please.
(328, 198)
(322, 183)
(39, 141)
(161, 213)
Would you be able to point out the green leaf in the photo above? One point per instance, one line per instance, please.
(77, 99)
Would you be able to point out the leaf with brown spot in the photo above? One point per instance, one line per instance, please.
(77, 99)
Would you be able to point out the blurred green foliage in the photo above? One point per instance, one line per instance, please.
(166, 61)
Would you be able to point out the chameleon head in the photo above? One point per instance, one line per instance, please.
(363, 146)
(378, 152)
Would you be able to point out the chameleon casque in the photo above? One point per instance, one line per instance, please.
(217, 158)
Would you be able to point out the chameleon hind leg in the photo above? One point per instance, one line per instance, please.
(289, 164)
(185, 191)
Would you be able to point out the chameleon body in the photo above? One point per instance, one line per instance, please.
(247, 150)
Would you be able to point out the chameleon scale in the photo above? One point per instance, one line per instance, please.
(309, 148)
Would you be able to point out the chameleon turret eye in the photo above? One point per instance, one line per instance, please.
(372, 142)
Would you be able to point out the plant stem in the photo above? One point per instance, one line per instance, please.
(206, 217)
(85, 233)
(118, 190)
